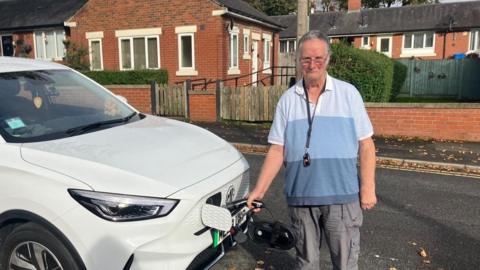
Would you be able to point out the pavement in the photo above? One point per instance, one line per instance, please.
(454, 157)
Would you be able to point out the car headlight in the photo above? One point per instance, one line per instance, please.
(119, 207)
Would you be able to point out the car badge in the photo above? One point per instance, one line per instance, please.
(37, 101)
(230, 194)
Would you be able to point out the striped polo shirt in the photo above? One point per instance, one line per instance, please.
(340, 122)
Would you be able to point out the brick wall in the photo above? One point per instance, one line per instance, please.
(437, 121)
(137, 95)
(203, 106)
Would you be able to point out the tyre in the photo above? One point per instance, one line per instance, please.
(31, 246)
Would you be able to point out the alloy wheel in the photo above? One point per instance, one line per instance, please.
(33, 256)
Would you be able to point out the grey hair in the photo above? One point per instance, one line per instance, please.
(313, 34)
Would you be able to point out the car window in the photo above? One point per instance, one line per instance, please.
(47, 104)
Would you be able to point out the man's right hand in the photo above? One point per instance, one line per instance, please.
(254, 195)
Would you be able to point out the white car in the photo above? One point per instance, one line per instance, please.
(88, 182)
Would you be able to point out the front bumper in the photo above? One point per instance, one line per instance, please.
(171, 242)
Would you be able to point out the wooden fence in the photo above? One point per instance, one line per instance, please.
(250, 103)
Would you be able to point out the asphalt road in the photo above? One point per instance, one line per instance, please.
(437, 213)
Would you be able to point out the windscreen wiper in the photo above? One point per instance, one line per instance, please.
(86, 128)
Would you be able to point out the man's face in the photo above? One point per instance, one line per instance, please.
(314, 60)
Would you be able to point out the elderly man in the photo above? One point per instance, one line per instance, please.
(320, 128)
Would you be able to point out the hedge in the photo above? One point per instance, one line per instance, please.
(128, 77)
(399, 75)
(371, 72)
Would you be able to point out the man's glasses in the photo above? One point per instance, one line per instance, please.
(305, 61)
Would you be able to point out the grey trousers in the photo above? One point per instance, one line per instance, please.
(340, 224)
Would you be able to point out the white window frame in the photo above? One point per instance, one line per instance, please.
(90, 52)
(56, 58)
(267, 52)
(91, 37)
(287, 45)
(132, 58)
(424, 51)
(232, 67)
(246, 44)
(363, 45)
(181, 31)
(474, 41)
(129, 34)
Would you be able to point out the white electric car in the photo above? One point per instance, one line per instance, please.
(88, 182)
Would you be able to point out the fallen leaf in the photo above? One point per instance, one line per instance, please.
(422, 252)
(392, 268)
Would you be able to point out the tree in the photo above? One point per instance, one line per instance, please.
(274, 7)
(389, 3)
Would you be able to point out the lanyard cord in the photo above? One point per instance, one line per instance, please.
(311, 117)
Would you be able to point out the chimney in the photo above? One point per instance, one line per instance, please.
(354, 5)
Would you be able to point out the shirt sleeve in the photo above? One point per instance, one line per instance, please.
(277, 131)
(363, 126)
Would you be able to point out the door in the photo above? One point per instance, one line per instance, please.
(7, 46)
(384, 45)
(254, 62)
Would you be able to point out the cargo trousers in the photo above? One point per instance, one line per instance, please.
(340, 224)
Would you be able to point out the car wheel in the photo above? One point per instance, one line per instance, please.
(31, 246)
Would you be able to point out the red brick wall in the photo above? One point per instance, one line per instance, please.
(211, 41)
(137, 95)
(203, 106)
(437, 121)
(453, 122)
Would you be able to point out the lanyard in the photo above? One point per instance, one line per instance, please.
(311, 117)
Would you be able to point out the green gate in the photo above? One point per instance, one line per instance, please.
(458, 79)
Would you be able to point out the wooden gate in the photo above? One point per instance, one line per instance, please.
(172, 100)
(250, 103)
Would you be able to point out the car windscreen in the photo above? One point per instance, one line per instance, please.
(52, 104)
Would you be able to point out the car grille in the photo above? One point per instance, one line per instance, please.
(218, 198)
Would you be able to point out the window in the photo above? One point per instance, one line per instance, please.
(365, 42)
(95, 54)
(246, 44)
(474, 40)
(49, 44)
(234, 48)
(267, 40)
(186, 50)
(418, 41)
(139, 52)
(288, 46)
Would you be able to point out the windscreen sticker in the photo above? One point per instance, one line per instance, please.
(15, 123)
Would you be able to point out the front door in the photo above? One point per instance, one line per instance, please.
(384, 45)
(254, 62)
(7, 46)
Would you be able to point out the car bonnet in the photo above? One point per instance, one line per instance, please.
(151, 157)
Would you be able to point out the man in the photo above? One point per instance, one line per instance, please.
(319, 129)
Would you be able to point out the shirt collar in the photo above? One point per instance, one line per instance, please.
(299, 86)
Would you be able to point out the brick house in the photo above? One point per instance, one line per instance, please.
(212, 39)
(436, 31)
(35, 29)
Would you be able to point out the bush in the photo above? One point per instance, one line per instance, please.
(399, 76)
(128, 77)
(370, 72)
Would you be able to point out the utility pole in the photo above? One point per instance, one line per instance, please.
(302, 22)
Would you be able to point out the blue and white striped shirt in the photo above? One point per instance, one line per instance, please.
(340, 122)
